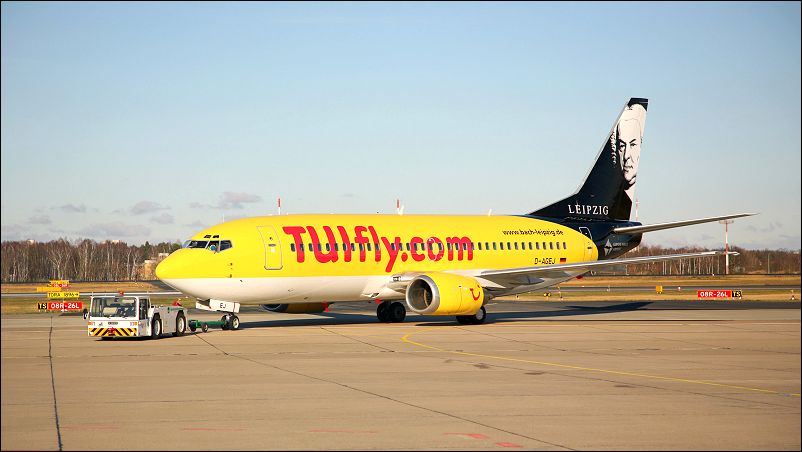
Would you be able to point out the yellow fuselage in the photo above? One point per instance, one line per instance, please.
(308, 258)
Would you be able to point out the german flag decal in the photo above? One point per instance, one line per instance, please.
(121, 332)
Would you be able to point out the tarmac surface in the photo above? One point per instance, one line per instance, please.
(537, 375)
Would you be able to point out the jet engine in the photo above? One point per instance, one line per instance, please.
(296, 308)
(437, 293)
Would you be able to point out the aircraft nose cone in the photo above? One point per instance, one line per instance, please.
(166, 268)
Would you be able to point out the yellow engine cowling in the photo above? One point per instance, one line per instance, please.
(436, 293)
(296, 308)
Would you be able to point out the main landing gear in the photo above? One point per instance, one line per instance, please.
(391, 312)
(476, 319)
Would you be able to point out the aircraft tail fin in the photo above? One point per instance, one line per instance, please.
(608, 190)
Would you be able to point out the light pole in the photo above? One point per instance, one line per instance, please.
(726, 223)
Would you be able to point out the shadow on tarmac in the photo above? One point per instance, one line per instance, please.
(329, 318)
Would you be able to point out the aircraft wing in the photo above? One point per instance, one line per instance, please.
(521, 276)
(534, 275)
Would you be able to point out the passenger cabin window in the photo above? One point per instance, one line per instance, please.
(558, 245)
(551, 245)
(292, 247)
(564, 247)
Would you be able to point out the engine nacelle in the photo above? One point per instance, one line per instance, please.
(436, 293)
(296, 308)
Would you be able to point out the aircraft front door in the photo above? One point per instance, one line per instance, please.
(272, 247)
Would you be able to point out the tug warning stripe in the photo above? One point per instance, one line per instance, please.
(124, 332)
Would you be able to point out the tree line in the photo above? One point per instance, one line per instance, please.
(748, 262)
(81, 260)
(88, 260)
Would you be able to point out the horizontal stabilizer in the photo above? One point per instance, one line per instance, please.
(674, 224)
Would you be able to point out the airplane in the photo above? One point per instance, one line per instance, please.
(440, 265)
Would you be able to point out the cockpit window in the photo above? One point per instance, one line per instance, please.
(211, 245)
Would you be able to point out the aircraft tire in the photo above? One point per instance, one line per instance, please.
(478, 318)
(383, 312)
(397, 312)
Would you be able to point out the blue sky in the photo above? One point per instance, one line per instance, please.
(151, 121)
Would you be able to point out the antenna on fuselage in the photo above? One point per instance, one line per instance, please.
(399, 209)
(279, 205)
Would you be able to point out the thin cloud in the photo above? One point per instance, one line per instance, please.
(147, 207)
(114, 230)
(72, 208)
(229, 200)
(14, 232)
(39, 219)
(195, 224)
(164, 218)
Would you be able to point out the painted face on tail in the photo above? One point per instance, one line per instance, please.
(628, 147)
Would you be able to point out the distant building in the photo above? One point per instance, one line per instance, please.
(149, 266)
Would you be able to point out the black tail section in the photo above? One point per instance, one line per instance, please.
(609, 188)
